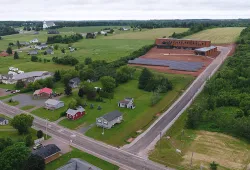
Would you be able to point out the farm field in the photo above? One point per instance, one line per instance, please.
(227, 151)
(148, 34)
(218, 35)
(75, 153)
(87, 29)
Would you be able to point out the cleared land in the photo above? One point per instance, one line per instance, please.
(87, 29)
(148, 34)
(218, 35)
(75, 153)
(227, 151)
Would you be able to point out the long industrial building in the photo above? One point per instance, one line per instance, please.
(201, 47)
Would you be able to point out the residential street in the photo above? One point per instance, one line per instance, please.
(125, 159)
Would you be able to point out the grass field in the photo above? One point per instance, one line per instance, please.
(75, 153)
(87, 29)
(28, 107)
(227, 151)
(218, 35)
(148, 34)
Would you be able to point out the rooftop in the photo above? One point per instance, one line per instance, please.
(78, 164)
(182, 39)
(29, 74)
(112, 115)
(53, 102)
(2, 119)
(46, 151)
(205, 49)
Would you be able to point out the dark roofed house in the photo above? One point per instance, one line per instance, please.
(90, 35)
(3, 121)
(24, 43)
(50, 51)
(48, 153)
(109, 120)
(53, 32)
(78, 164)
(33, 52)
(75, 82)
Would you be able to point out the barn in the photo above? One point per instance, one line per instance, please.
(77, 113)
(207, 51)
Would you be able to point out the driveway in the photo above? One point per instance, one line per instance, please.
(3, 93)
(26, 99)
(65, 148)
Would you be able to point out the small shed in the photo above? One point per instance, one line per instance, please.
(77, 113)
(4, 121)
(52, 104)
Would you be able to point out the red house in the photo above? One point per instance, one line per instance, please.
(75, 114)
(43, 93)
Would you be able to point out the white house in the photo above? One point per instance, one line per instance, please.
(127, 103)
(103, 32)
(47, 24)
(52, 104)
(13, 69)
(3, 121)
(34, 40)
(12, 72)
(20, 72)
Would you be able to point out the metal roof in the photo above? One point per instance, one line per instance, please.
(53, 102)
(205, 49)
(2, 119)
(29, 74)
(112, 115)
(78, 164)
(73, 112)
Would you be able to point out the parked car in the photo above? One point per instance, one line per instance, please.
(17, 91)
(37, 146)
(13, 91)
(7, 90)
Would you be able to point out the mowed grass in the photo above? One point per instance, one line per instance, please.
(227, 151)
(218, 35)
(151, 34)
(75, 153)
(134, 120)
(87, 29)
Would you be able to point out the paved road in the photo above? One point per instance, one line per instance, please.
(114, 155)
(144, 141)
(124, 159)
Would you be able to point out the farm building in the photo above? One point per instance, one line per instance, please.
(109, 120)
(206, 51)
(41, 47)
(43, 93)
(75, 82)
(77, 113)
(90, 36)
(78, 164)
(127, 103)
(52, 104)
(24, 43)
(48, 153)
(33, 52)
(181, 43)
(3, 121)
(34, 40)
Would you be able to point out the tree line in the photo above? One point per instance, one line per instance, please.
(64, 39)
(6, 30)
(224, 105)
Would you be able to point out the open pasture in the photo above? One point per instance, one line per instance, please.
(218, 35)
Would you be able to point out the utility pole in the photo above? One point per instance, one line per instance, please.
(191, 161)
(103, 130)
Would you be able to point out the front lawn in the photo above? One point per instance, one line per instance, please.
(134, 120)
(28, 107)
(75, 153)
(12, 103)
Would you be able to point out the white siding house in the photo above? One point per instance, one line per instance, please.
(4, 121)
(109, 120)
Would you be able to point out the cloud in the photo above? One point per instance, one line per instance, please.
(120, 9)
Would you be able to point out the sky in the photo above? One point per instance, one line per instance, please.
(123, 9)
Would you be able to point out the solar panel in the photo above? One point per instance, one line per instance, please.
(174, 65)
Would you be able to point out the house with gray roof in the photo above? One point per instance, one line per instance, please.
(109, 120)
(52, 104)
(128, 102)
(24, 43)
(4, 121)
(41, 47)
(75, 82)
(48, 153)
(78, 164)
(47, 24)
(33, 52)
(49, 51)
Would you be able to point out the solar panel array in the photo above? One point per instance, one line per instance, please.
(173, 65)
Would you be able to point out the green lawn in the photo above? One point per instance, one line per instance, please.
(13, 103)
(218, 35)
(151, 34)
(134, 120)
(75, 153)
(28, 107)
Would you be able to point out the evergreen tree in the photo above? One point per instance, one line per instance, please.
(9, 50)
(213, 166)
(68, 90)
(144, 78)
(16, 56)
(57, 76)
(39, 134)
(35, 162)
(28, 140)
(81, 92)
(18, 44)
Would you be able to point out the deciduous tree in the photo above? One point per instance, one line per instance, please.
(22, 123)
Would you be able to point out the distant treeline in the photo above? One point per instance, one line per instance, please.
(224, 105)
(6, 30)
(64, 39)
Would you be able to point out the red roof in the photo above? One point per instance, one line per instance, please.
(46, 90)
(4, 54)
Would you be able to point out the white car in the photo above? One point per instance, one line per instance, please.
(37, 146)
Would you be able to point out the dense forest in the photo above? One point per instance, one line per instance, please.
(224, 105)
(6, 30)
(64, 39)
(192, 30)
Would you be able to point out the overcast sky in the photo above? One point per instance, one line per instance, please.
(122, 9)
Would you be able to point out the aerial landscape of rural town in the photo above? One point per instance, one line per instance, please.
(117, 86)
